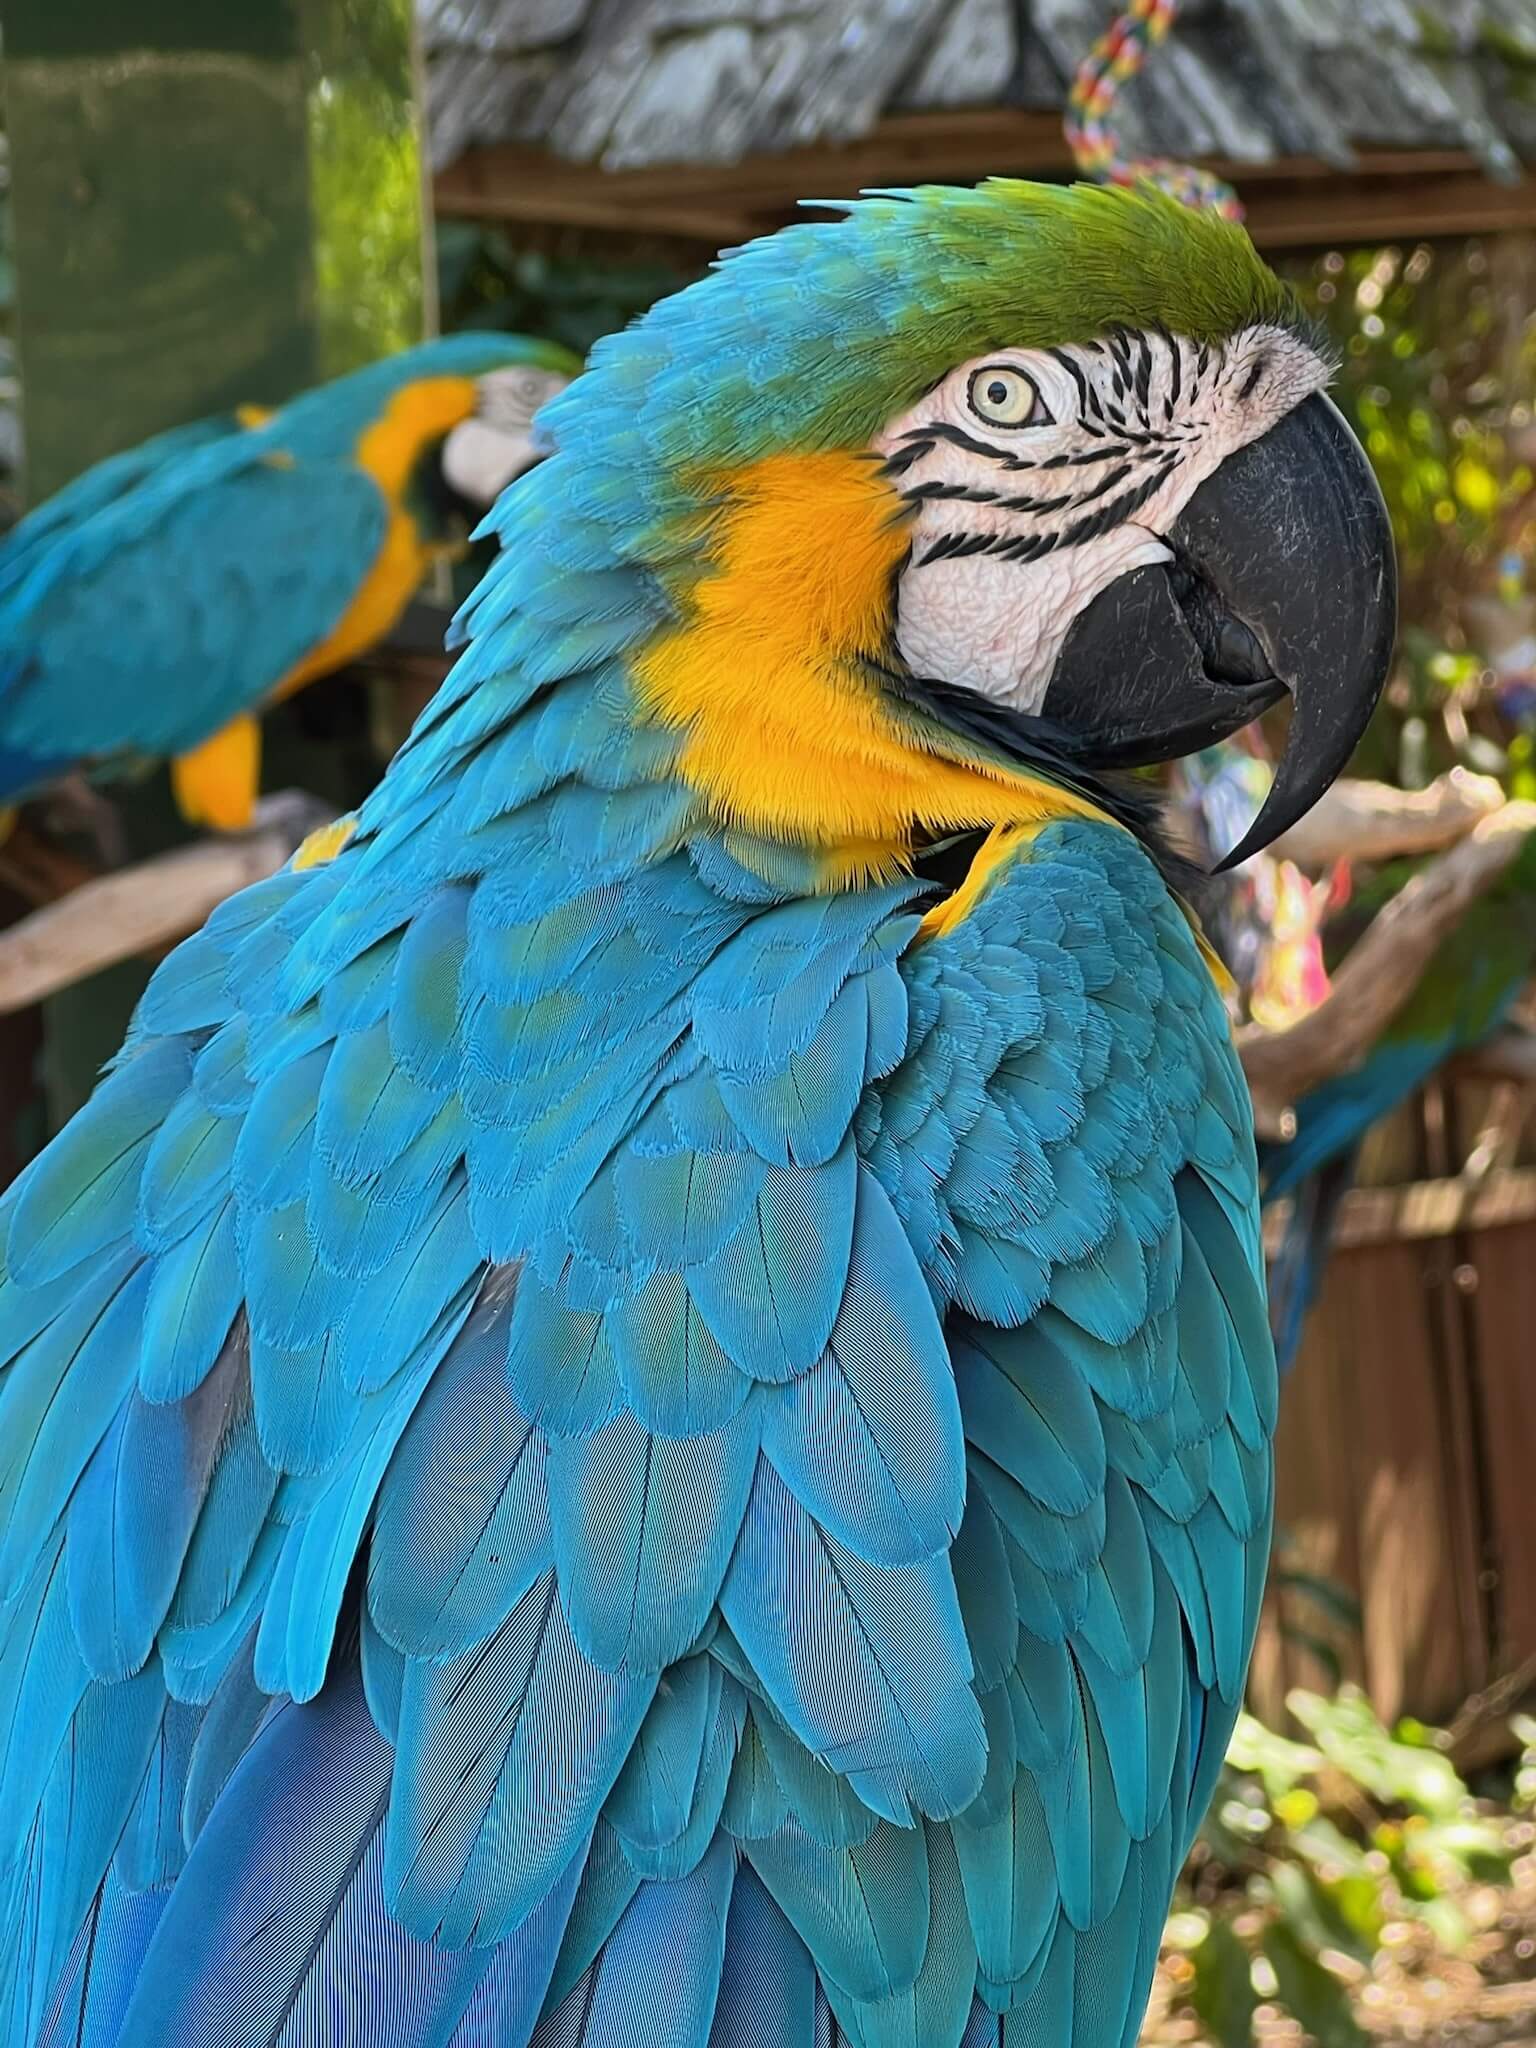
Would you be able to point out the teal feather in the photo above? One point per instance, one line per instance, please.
(194, 1297)
(133, 1514)
(771, 1296)
(93, 1349)
(197, 1659)
(654, 1793)
(644, 1528)
(560, 1363)
(80, 1196)
(985, 1587)
(869, 1441)
(425, 1014)
(674, 1376)
(83, 1800)
(388, 1317)
(324, 1545)
(224, 1732)
(1139, 1714)
(1117, 1623)
(1035, 1421)
(755, 1802)
(383, 1677)
(234, 1512)
(938, 2003)
(270, 1169)
(1089, 1840)
(186, 1173)
(686, 1850)
(368, 1108)
(767, 1979)
(495, 1792)
(608, 1882)
(896, 1708)
(304, 1411)
(821, 1801)
(151, 1850)
(461, 1526)
(1012, 1913)
(862, 1911)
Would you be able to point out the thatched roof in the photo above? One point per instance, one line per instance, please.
(624, 83)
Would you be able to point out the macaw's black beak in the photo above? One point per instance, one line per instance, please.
(1283, 580)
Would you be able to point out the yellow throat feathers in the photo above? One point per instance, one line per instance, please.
(785, 736)
(388, 450)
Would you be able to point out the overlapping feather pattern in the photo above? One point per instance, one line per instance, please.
(590, 1431)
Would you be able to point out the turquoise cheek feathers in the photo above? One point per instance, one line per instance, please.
(603, 1442)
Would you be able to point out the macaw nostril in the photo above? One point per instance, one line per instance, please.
(1239, 656)
(1230, 652)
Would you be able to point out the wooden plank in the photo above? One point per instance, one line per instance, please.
(1315, 1525)
(1291, 202)
(1413, 1495)
(1423, 1209)
(1502, 1273)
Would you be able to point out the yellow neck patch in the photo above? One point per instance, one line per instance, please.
(785, 737)
(417, 414)
(389, 451)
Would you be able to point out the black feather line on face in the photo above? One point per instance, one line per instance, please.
(1038, 744)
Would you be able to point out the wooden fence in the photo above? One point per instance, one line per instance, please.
(1407, 1459)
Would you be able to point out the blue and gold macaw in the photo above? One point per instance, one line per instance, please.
(160, 600)
(641, 1410)
(1464, 997)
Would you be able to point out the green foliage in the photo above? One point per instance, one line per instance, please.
(366, 180)
(1437, 369)
(486, 280)
(1316, 1855)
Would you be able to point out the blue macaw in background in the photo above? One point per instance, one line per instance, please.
(640, 1412)
(1463, 999)
(161, 599)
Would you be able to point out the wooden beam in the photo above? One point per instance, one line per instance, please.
(1422, 1209)
(145, 908)
(1291, 201)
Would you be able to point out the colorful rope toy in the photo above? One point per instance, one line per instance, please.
(1116, 57)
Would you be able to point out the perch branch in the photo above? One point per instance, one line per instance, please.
(140, 909)
(1373, 821)
(1379, 975)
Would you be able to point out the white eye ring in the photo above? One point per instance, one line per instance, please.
(1005, 397)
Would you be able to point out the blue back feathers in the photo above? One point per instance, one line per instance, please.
(598, 1447)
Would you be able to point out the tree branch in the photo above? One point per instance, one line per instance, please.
(141, 909)
(1359, 820)
(1380, 973)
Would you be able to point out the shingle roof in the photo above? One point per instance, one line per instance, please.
(632, 82)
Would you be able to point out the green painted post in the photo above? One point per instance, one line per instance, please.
(212, 205)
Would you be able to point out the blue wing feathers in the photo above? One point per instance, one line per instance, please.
(466, 1293)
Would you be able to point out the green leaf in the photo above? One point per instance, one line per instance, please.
(1312, 1995)
(1223, 1994)
(1354, 1741)
(1310, 1910)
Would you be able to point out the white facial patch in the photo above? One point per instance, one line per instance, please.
(483, 454)
(1040, 476)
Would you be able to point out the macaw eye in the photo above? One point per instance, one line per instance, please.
(1005, 397)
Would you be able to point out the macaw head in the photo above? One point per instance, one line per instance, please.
(1029, 475)
(484, 452)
